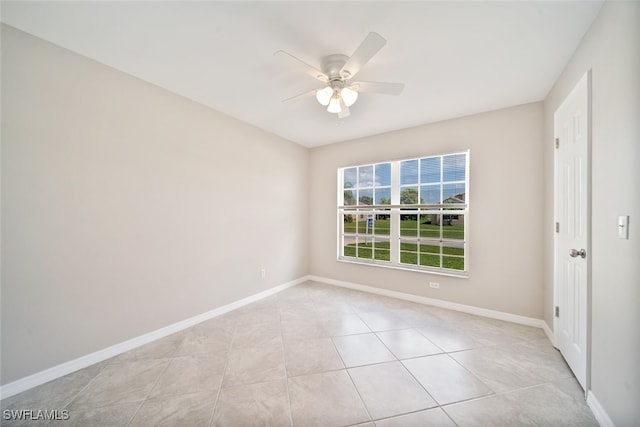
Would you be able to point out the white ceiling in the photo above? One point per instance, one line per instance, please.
(455, 58)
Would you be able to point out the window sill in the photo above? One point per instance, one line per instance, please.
(448, 273)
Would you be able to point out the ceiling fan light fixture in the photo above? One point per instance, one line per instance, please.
(349, 96)
(334, 104)
(324, 95)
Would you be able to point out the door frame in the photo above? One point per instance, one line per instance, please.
(556, 264)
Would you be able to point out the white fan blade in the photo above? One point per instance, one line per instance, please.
(287, 58)
(379, 87)
(344, 110)
(300, 96)
(369, 47)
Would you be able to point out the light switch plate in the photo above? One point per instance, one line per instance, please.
(623, 227)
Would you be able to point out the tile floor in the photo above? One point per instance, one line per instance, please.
(318, 355)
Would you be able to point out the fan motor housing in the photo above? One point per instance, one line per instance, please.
(332, 65)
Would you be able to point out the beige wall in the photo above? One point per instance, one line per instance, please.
(126, 208)
(611, 49)
(505, 220)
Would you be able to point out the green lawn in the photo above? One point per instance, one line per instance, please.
(410, 253)
(407, 228)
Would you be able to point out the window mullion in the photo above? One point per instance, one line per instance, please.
(394, 231)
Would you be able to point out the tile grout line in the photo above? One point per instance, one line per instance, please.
(286, 373)
(155, 383)
(224, 373)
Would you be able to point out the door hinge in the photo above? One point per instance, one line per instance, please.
(557, 227)
(557, 142)
(557, 311)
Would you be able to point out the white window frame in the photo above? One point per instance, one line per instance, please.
(395, 209)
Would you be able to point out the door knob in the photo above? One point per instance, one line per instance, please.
(574, 253)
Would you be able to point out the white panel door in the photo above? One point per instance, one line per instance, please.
(572, 129)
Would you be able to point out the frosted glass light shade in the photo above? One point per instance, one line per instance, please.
(334, 104)
(349, 96)
(324, 95)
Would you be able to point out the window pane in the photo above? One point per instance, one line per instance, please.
(408, 253)
(409, 172)
(383, 174)
(349, 223)
(453, 226)
(430, 260)
(453, 248)
(453, 193)
(409, 196)
(429, 226)
(365, 197)
(453, 167)
(383, 196)
(455, 263)
(430, 247)
(381, 249)
(408, 225)
(365, 250)
(430, 194)
(350, 177)
(349, 197)
(430, 170)
(365, 176)
(382, 224)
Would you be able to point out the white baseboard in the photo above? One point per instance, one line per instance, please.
(514, 318)
(598, 411)
(549, 333)
(82, 362)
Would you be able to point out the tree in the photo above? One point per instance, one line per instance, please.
(366, 200)
(409, 196)
(349, 198)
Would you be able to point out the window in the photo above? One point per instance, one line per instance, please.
(410, 214)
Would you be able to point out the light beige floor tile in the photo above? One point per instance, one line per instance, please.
(344, 324)
(364, 349)
(225, 322)
(311, 356)
(190, 374)
(257, 314)
(388, 389)
(550, 405)
(121, 383)
(262, 404)
(383, 321)
(541, 356)
(161, 349)
(445, 380)
(257, 335)
(417, 317)
(450, 338)
(325, 400)
(253, 365)
(193, 410)
(506, 368)
(206, 339)
(54, 394)
(408, 343)
(175, 380)
(109, 416)
(431, 417)
(302, 330)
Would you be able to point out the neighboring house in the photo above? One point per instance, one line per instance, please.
(449, 219)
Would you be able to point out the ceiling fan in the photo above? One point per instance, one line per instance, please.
(337, 72)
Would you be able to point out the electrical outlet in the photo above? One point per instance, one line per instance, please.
(434, 285)
(263, 273)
